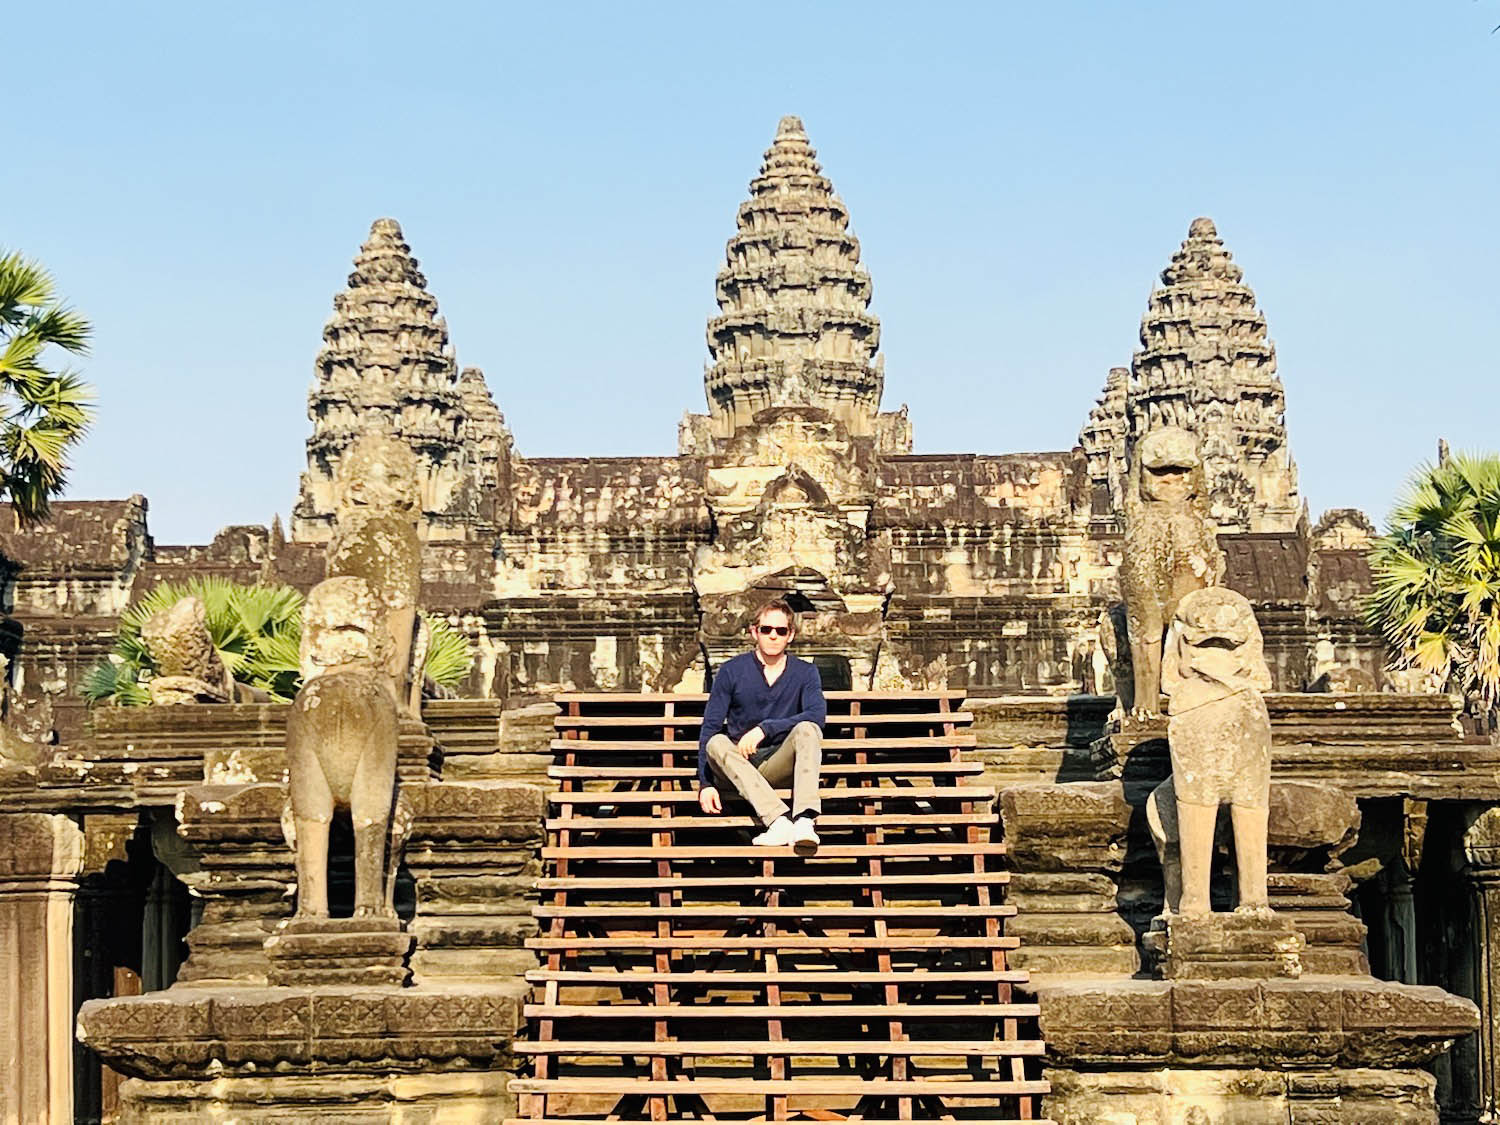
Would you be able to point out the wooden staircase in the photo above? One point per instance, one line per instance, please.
(689, 976)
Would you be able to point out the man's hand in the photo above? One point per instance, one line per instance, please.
(708, 800)
(749, 741)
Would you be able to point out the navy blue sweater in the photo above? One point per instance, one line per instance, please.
(741, 699)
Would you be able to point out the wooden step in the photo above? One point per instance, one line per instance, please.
(812, 1011)
(785, 943)
(968, 1119)
(839, 793)
(913, 743)
(838, 722)
(832, 881)
(729, 979)
(703, 823)
(618, 698)
(707, 1048)
(839, 1086)
(895, 849)
(897, 912)
(836, 769)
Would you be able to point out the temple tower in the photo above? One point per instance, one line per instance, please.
(386, 365)
(1206, 364)
(793, 327)
(489, 443)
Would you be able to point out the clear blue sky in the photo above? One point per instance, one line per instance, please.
(199, 176)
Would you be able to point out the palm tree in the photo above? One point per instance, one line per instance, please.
(43, 412)
(1437, 578)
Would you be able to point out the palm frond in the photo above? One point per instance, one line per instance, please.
(23, 283)
(1436, 576)
(112, 681)
(60, 327)
(449, 654)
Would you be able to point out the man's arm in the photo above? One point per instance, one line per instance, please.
(811, 707)
(714, 714)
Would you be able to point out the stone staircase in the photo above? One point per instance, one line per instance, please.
(686, 975)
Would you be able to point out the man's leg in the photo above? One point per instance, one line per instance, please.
(733, 767)
(799, 759)
(804, 763)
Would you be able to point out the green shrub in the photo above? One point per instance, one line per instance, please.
(257, 631)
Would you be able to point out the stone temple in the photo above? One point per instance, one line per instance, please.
(143, 865)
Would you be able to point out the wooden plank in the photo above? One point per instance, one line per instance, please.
(628, 697)
(831, 793)
(709, 823)
(895, 912)
(862, 1087)
(924, 718)
(972, 1120)
(731, 978)
(936, 1048)
(936, 943)
(889, 850)
(833, 881)
(649, 745)
(838, 769)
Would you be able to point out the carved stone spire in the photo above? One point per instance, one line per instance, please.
(488, 439)
(1103, 440)
(386, 366)
(793, 329)
(1207, 365)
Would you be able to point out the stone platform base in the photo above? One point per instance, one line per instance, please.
(1243, 944)
(403, 1099)
(310, 952)
(1312, 1051)
(350, 1055)
(1186, 1096)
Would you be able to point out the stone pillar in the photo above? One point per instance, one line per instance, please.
(1401, 923)
(245, 878)
(1482, 851)
(41, 856)
(1067, 845)
(472, 853)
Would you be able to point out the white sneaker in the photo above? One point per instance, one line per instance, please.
(779, 835)
(804, 836)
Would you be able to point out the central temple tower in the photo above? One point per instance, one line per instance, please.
(793, 327)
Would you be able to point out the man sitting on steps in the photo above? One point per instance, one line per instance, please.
(772, 707)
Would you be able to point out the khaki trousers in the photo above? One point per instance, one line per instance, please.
(799, 759)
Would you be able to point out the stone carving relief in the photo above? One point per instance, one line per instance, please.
(791, 499)
(189, 668)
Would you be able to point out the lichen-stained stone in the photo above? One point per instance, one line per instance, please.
(1171, 551)
(188, 666)
(205, 1033)
(1330, 1021)
(1067, 844)
(1340, 1050)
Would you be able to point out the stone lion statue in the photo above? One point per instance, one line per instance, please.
(1171, 549)
(1219, 736)
(361, 658)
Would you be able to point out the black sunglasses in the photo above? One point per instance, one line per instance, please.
(773, 630)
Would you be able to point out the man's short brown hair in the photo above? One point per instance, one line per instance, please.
(775, 604)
